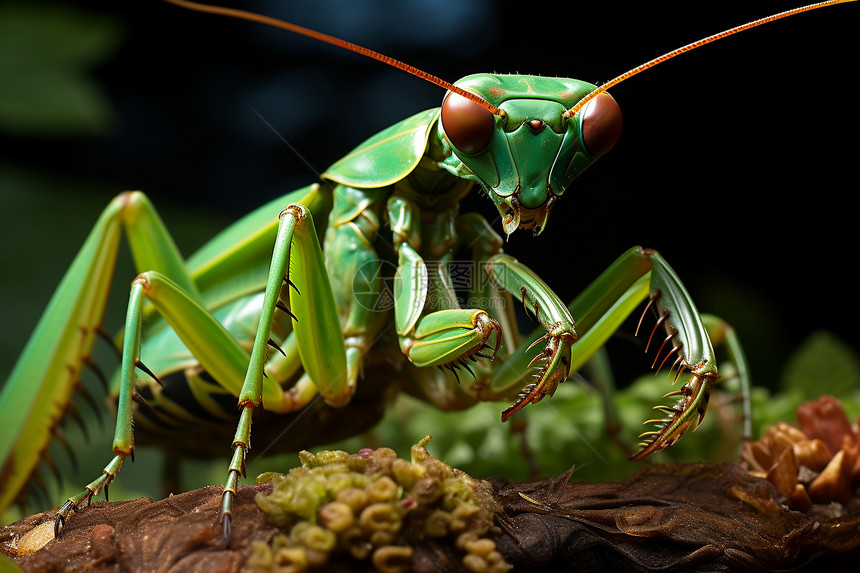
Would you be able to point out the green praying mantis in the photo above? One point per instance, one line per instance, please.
(310, 354)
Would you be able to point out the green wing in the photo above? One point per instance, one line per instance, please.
(388, 156)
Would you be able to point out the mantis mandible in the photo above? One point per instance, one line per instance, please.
(500, 214)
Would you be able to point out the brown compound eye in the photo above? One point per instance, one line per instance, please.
(468, 125)
(601, 124)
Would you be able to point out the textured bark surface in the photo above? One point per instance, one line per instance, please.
(696, 517)
(692, 517)
(179, 533)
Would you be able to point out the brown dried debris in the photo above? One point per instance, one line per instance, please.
(825, 419)
(179, 533)
(817, 464)
(690, 517)
(674, 517)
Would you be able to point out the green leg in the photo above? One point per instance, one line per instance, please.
(723, 335)
(432, 385)
(354, 270)
(152, 247)
(218, 352)
(320, 346)
(432, 328)
(40, 386)
(444, 338)
(474, 231)
(318, 336)
(556, 323)
(316, 339)
(600, 310)
(48, 370)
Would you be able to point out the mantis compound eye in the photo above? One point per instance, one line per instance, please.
(600, 124)
(468, 125)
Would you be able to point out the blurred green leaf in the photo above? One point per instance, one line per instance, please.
(563, 431)
(823, 364)
(51, 104)
(47, 52)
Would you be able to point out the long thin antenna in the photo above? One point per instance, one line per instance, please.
(692, 46)
(243, 15)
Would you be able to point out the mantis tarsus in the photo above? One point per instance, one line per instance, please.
(677, 220)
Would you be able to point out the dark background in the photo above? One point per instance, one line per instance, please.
(736, 161)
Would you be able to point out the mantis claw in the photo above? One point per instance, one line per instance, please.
(486, 326)
(227, 526)
(679, 417)
(555, 371)
(68, 508)
(59, 522)
(694, 352)
(445, 339)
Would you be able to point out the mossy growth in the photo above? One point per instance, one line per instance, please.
(374, 507)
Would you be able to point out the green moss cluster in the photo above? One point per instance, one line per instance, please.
(375, 506)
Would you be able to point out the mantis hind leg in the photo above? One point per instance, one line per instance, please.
(63, 339)
(205, 337)
(174, 295)
(222, 271)
(80, 302)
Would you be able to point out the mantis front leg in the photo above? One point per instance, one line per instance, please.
(432, 328)
(553, 316)
(600, 309)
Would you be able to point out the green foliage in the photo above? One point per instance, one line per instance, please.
(47, 53)
(569, 428)
(823, 364)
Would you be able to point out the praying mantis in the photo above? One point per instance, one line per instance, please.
(676, 221)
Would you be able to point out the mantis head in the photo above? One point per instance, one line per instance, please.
(522, 138)
(526, 154)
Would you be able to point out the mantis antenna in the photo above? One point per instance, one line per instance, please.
(692, 46)
(243, 15)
